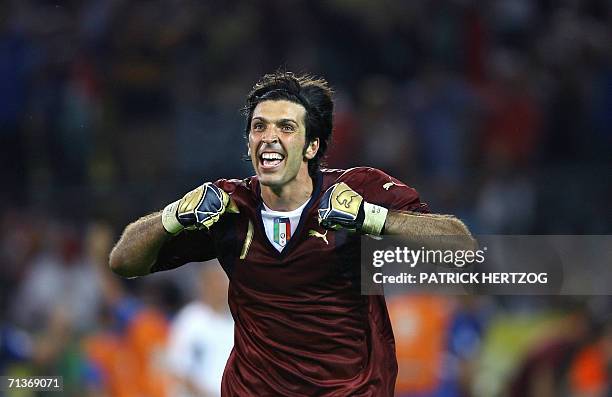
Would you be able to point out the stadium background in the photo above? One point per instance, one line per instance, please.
(496, 111)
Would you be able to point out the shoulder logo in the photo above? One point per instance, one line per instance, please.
(388, 185)
(345, 197)
(323, 236)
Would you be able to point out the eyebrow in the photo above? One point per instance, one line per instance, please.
(279, 121)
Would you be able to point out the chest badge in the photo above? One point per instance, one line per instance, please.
(282, 231)
(323, 236)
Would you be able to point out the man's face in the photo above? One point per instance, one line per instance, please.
(276, 142)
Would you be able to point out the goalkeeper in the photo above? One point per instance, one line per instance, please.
(288, 239)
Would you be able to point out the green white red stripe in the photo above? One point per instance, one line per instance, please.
(282, 231)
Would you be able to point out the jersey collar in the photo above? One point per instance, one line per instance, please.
(316, 192)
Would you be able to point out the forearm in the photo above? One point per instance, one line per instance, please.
(431, 229)
(137, 249)
(417, 224)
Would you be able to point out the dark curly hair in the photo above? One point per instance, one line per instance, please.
(311, 92)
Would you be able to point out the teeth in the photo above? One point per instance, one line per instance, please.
(272, 156)
(271, 163)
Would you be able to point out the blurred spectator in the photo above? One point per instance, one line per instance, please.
(442, 108)
(201, 338)
(512, 127)
(59, 277)
(128, 361)
(387, 139)
(438, 343)
(420, 325)
(543, 371)
(466, 331)
(509, 337)
(124, 357)
(590, 371)
(506, 201)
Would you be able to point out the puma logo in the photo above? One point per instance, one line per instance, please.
(345, 197)
(314, 233)
(388, 185)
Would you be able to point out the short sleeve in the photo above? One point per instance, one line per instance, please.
(188, 246)
(379, 188)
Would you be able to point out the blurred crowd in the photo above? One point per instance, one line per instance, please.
(497, 111)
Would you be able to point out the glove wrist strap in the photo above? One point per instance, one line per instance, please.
(169, 219)
(374, 219)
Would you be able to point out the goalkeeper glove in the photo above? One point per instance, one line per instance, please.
(343, 208)
(198, 209)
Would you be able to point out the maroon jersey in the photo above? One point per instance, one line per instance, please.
(302, 327)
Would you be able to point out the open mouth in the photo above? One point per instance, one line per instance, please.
(269, 160)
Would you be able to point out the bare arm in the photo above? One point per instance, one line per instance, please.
(137, 249)
(417, 224)
(424, 228)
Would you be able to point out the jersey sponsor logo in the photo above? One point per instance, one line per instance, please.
(388, 185)
(323, 236)
(282, 231)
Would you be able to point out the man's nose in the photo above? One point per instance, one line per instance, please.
(270, 135)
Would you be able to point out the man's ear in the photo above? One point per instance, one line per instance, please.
(311, 149)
